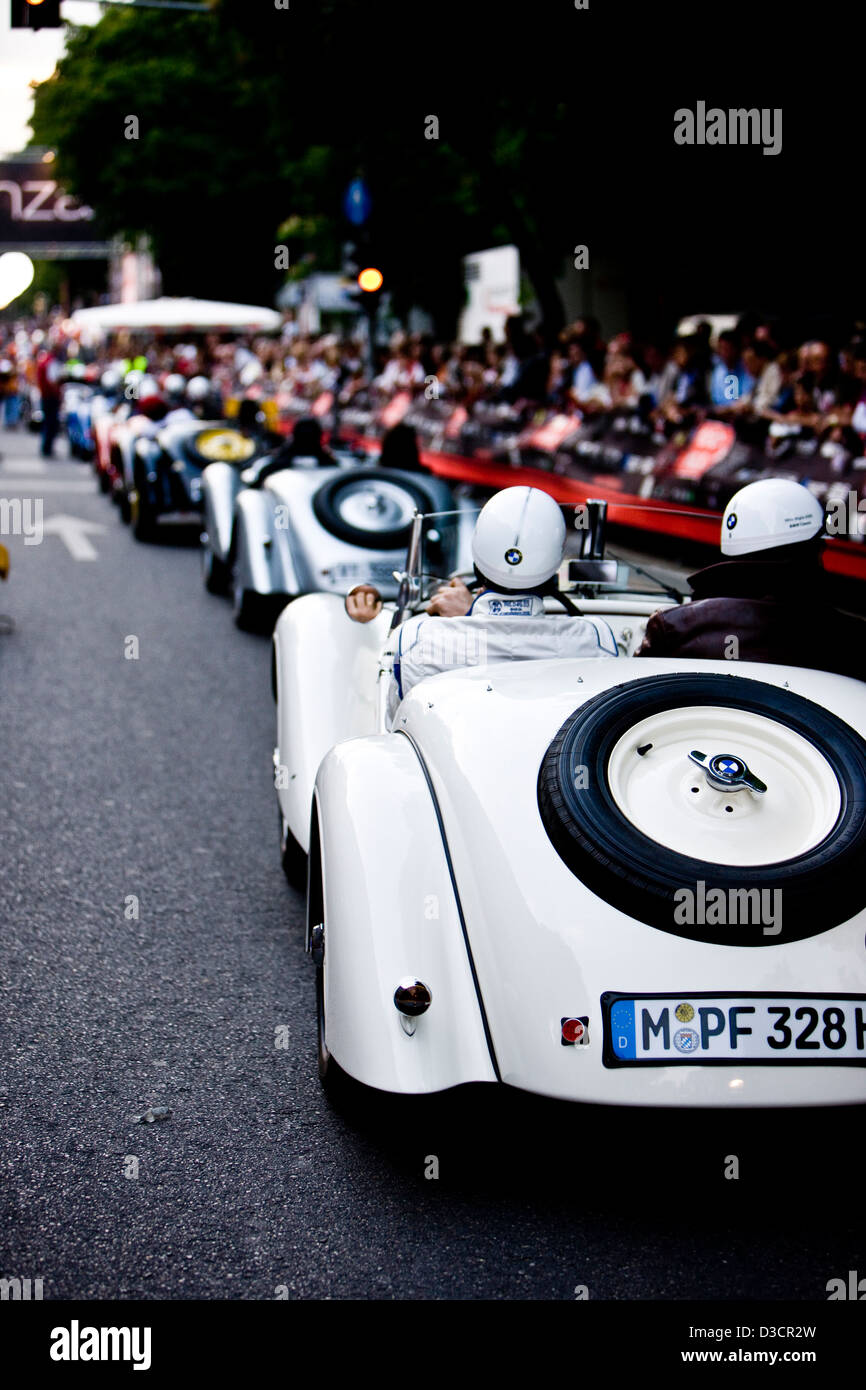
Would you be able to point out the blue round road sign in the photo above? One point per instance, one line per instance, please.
(357, 202)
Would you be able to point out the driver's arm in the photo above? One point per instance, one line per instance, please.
(453, 600)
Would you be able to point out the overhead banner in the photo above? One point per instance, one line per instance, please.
(38, 217)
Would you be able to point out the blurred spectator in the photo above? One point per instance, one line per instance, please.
(49, 376)
(9, 398)
(729, 380)
(759, 359)
(660, 371)
(581, 380)
(690, 387)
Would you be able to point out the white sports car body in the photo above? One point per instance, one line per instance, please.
(607, 879)
(308, 528)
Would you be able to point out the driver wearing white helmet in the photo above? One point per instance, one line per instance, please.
(174, 387)
(517, 547)
(517, 514)
(201, 397)
(767, 593)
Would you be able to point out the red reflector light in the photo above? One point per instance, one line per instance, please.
(572, 1030)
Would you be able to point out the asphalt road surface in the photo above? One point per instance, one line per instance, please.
(146, 783)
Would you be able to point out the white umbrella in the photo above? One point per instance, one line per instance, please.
(178, 315)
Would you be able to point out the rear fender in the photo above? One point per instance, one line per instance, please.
(381, 875)
(149, 453)
(220, 486)
(326, 685)
(253, 543)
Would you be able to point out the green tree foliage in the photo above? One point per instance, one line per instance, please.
(199, 179)
(252, 121)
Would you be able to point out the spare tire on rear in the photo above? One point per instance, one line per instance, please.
(220, 444)
(616, 817)
(373, 508)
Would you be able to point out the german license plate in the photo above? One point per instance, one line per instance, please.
(703, 1029)
(381, 574)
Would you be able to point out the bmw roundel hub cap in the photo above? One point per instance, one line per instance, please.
(726, 767)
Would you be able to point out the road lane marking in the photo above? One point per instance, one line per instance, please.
(16, 486)
(72, 531)
(29, 466)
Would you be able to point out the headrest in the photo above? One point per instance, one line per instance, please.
(493, 605)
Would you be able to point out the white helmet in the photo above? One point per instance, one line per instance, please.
(519, 538)
(198, 389)
(250, 373)
(174, 384)
(770, 513)
(146, 385)
(111, 380)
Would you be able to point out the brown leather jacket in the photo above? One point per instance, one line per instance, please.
(774, 610)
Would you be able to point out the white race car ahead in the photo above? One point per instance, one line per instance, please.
(627, 881)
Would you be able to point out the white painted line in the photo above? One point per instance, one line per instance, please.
(27, 466)
(30, 487)
(72, 530)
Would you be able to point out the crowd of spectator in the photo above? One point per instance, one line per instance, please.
(747, 375)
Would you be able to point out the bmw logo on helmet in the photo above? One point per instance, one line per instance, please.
(513, 556)
(731, 521)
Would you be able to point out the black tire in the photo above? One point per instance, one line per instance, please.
(341, 1089)
(326, 504)
(638, 875)
(103, 480)
(248, 608)
(124, 508)
(336, 1083)
(144, 518)
(293, 859)
(216, 573)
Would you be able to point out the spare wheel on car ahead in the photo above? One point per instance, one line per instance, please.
(652, 791)
(219, 444)
(373, 508)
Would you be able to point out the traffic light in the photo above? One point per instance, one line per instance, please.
(370, 283)
(370, 280)
(35, 14)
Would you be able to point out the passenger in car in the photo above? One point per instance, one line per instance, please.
(765, 600)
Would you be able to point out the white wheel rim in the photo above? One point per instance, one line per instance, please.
(668, 798)
(375, 506)
(227, 445)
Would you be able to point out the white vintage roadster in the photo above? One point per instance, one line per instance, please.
(270, 536)
(591, 876)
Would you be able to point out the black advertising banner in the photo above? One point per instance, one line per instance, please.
(39, 217)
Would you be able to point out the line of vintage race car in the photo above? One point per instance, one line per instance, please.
(538, 871)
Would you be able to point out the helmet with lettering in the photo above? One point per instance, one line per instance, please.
(770, 513)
